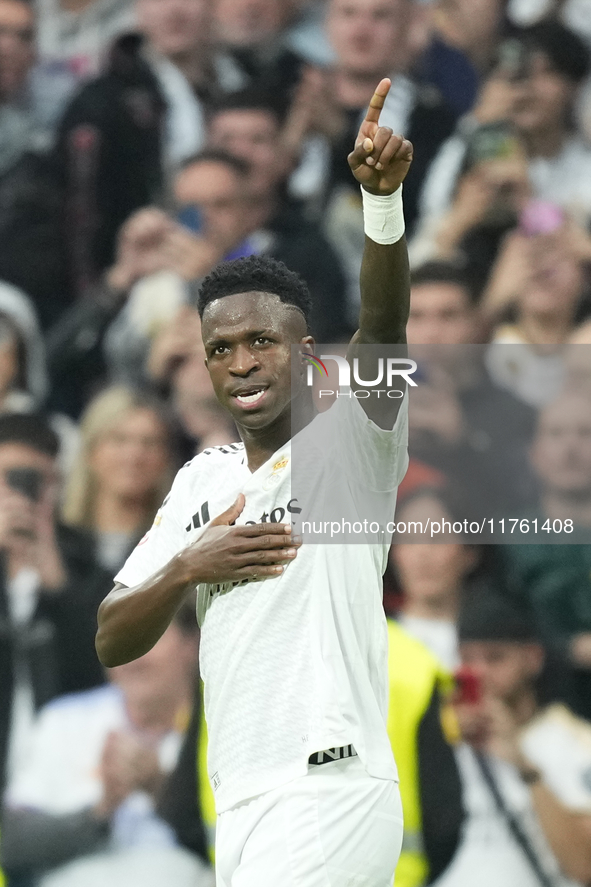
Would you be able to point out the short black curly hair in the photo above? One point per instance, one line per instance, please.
(255, 274)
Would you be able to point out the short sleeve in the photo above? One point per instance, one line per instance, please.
(376, 457)
(164, 539)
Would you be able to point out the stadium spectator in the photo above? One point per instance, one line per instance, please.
(368, 37)
(30, 251)
(176, 366)
(465, 36)
(250, 124)
(122, 473)
(122, 134)
(23, 374)
(83, 809)
(492, 190)
(534, 87)
(24, 380)
(472, 430)
(541, 277)
(23, 114)
(554, 579)
(220, 216)
(254, 33)
(431, 573)
(73, 38)
(524, 763)
(561, 458)
(573, 13)
(50, 588)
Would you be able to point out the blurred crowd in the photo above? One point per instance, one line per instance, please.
(141, 143)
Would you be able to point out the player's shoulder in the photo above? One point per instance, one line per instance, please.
(222, 451)
(223, 454)
(213, 460)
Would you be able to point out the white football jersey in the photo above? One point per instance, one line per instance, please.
(296, 663)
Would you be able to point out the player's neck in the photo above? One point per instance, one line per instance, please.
(261, 443)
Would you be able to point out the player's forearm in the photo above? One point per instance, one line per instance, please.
(385, 293)
(132, 620)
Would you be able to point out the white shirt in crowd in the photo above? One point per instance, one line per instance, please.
(438, 635)
(564, 179)
(61, 775)
(298, 663)
(23, 594)
(575, 14)
(532, 374)
(559, 744)
(62, 771)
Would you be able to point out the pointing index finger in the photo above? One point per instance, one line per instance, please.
(377, 101)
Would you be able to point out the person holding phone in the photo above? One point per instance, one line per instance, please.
(50, 586)
(524, 762)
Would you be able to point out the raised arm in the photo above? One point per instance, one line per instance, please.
(380, 162)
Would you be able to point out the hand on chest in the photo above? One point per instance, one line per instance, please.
(267, 493)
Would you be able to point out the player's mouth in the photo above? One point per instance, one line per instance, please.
(251, 397)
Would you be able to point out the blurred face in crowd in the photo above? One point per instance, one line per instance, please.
(474, 21)
(430, 573)
(369, 36)
(174, 27)
(17, 46)
(130, 458)
(561, 451)
(160, 672)
(193, 397)
(505, 668)
(251, 134)
(245, 23)
(220, 195)
(542, 98)
(556, 279)
(441, 313)
(506, 183)
(18, 455)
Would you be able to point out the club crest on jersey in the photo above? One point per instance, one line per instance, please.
(157, 522)
(275, 477)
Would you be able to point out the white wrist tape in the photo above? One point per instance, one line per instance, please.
(383, 216)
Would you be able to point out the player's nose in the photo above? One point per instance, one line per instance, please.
(244, 362)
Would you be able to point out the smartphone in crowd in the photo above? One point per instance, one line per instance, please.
(28, 481)
(468, 687)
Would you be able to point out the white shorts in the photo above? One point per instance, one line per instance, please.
(335, 827)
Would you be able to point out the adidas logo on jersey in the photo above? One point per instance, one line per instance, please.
(200, 518)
